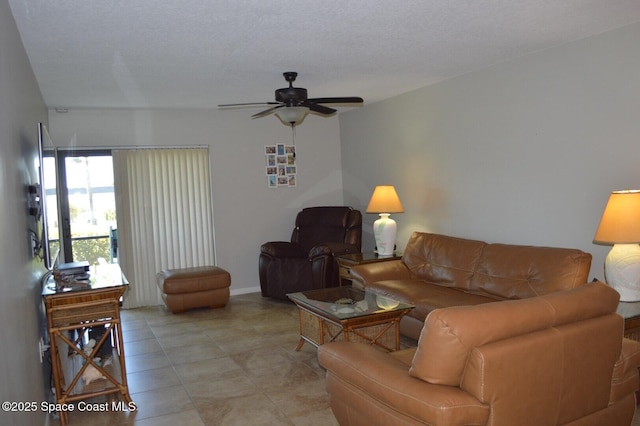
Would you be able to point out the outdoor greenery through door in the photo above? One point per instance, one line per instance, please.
(83, 225)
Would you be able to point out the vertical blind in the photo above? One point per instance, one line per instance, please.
(164, 215)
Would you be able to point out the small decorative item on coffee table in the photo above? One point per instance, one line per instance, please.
(349, 314)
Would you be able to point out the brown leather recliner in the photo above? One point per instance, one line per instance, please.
(307, 261)
(558, 359)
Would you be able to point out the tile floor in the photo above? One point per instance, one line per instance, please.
(230, 366)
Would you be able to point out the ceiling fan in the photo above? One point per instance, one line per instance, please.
(292, 104)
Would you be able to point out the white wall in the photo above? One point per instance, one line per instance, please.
(524, 152)
(21, 108)
(246, 212)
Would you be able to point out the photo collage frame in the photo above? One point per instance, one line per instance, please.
(281, 165)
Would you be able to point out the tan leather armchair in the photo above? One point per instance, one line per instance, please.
(308, 260)
(558, 359)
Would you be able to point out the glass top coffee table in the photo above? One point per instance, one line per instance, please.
(349, 314)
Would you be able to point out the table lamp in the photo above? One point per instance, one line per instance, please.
(620, 226)
(385, 201)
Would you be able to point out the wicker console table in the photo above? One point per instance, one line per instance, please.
(75, 316)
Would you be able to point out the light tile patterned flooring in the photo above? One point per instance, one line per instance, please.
(231, 366)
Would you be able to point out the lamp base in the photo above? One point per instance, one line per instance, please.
(622, 271)
(384, 230)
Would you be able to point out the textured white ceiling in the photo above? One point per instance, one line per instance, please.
(200, 53)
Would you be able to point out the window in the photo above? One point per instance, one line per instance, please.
(83, 227)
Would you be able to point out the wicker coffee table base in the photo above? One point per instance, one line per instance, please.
(380, 329)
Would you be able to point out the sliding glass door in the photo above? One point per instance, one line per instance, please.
(87, 209)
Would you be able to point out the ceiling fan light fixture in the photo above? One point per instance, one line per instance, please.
(292, 103)
(292, 116)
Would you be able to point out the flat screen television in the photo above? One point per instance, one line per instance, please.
(45, 148)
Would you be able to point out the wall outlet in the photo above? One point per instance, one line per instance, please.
(42, 348)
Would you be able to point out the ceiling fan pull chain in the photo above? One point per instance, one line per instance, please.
(293, 139)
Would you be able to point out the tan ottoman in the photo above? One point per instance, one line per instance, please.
(189, 288)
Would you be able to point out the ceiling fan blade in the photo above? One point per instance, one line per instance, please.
(247, 104)
(320, 109)
(340, 100)
(267, 111)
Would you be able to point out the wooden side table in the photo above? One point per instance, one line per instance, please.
(348, 261)
(630, 311)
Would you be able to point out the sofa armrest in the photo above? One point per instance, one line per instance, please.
(377, 379)
(365, 274)
(282, 249)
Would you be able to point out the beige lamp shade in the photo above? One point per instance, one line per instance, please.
(620, 222)
(385, 200)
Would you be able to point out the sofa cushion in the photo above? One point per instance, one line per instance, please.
(450, 334)
(518, 272)
(363, 378)
(426, 296)
(442, 260)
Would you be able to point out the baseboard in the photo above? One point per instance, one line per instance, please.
(246, 290)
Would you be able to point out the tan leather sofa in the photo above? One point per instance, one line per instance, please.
(558, 359)
(438, 271)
